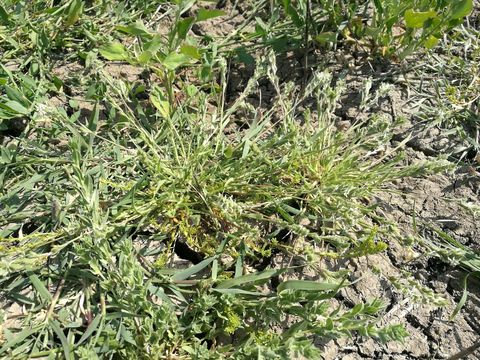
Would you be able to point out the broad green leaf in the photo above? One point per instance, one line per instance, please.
(136, 29)
(244, 56)
(416, 19)
(430, 42)
(292, 13)
(14, 94)
(144, 57)
(250, 278)
(154, 45)
(326, 37)
(205, 14)
(161, 104)
(306, 285)
(185, 274)
(184, 26)
(191, 51)
(185, 5)
(461, 8)
(57, 82)
(16, 107)
(3, 16)
(74, 12)
(174, 60)
(279, 44)
(455, 22)
(114, 51)
(260, 27)
(408, 51)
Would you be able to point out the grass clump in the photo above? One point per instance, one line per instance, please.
(101, 234)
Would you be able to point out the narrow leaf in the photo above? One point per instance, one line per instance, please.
(3, 16)
(250, 278)
(239, 292)
(306, 285)
(205, 14)
(185, 274)
(63, 339)
(40, 287)
(378, 6)
(90, 329)
(17, 338)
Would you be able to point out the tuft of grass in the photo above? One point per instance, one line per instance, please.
(89, 227)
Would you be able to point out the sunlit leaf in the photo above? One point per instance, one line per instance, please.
(174, 60)
(114, 51)
(416, 19)
(205, 14)
(461, 8)
(74, 12)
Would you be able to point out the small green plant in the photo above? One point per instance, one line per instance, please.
(391, 28)
(163, 54)
(18, 93)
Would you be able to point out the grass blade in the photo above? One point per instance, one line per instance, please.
(90, 329)
(306, 285)
(250, 278)
(40, 287)
(185, 274)
(63, 339)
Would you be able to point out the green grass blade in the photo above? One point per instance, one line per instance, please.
(63, 339)
(250, 278)
(306, 285)
(185, 274)
(90, 329)
(18, 338)
(40, 287)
